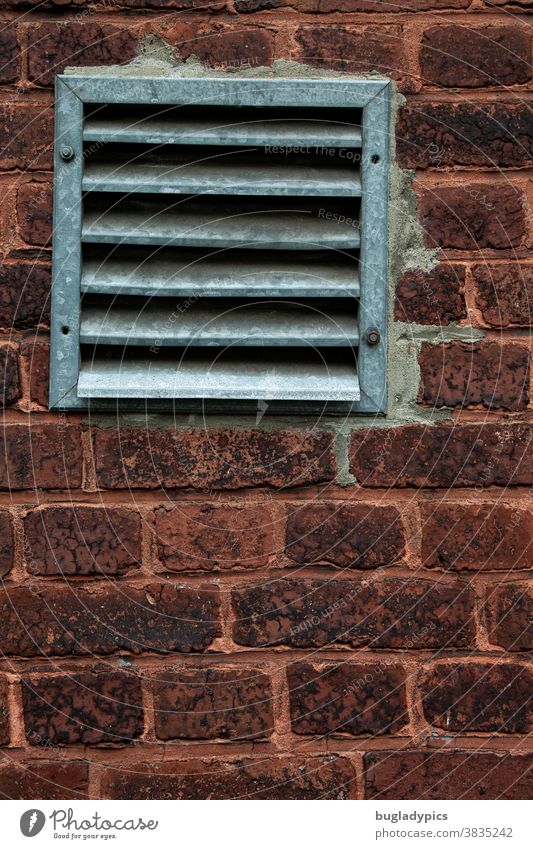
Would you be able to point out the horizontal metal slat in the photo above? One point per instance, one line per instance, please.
(215, 177)
(190, 323)
(201, 376)
(171, 274)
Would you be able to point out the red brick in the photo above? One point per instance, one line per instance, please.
(218, 458)
(441, 455)
(437, 135)
(43, 780)
(9, 54)
(476, 536)
(268, 777)
(222, 47)
(53, 46)
(389, 613)
(206, 704)
(372, 48)
(7, 546)
(509, 615)
(4, 713)
(26, 136)
(35, 355)
(87, 707)
(82, 540)
(468, 774)
(433, 298)
(10, 390)
(34, 213)
(363, 536)
(458, 55)
(60, 620)
(473, 216)
(329, 6)
(479, 697)
(40, 455)
(487, 373)
(24, 295)
(214, 537)
(504, 294)
(347, 698)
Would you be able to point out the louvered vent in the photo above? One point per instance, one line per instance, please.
(220, 240)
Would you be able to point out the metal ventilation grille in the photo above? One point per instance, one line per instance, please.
(219, 246)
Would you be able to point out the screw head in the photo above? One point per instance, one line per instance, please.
(373, 337)
(66, 153)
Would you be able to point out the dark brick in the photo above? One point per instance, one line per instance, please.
(87, 707)
(347, 698)
(53, 46)
(474, 216)
(476, 536)
(218, 458)
(7, 547)
(222, 47)
(34, 212)
(433, 298)
(4, 713)
(479, 697)
(24, 295)
(390, 613)
(9, 375)
(487, 373)
(35, 355)
(206, 704)
(40, 455)
(82, 540)
(9, 54)
(268, 777)
(443, 455)
(372, 48)
(214, 537)
(26, 136)
(509, 615)
(43, 780)
(457, 55)
(362, 536)
(437, 135)
(468, 774)
(62, 621)
(504, 294)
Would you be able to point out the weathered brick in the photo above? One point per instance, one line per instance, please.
(214, 536)
(389, 613)
(24, 294)
(371, 48)
(443, 455)
(222, 47)
(509, 615)
(469, 774)
(86, 707)
(7, 547)
(329, 6)
(363, 536)
(473, 216)
(62, 621)
(40, 455)
(53, 46)
(44, 780)
(205, 704)
(34, 212)
(458, 374)
(35, 357)
(504, 294)
(347, 698)
(459, 55)
(82, 540)
(268, 777)
(476, 536)
(437, 135)
(9, 54)
(26, 136)
(9, 375)
(218, 458)
(4, 712)
(433, 298)
(479, 697)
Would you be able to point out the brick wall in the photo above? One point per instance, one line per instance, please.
(205, 611)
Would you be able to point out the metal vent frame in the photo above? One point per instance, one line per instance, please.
(74, 91)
